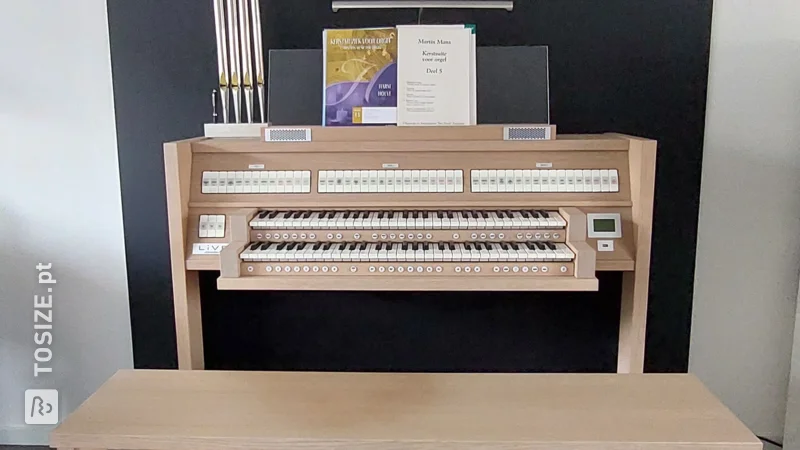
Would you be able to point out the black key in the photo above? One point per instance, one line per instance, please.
(550, 245)
(464, 214)
(534, 214)
(405, 246)
(353, 246)
(265, 246)
(255, 245)
(282, 245)
(530, 245)
(544, 214)
(452, 246)
(292, 246)
(541, 246)
(516, 246)
(363, 246)
(317, 245)
(485, 214)
(526, 214)
(440, 246)
(426, 246)
(274, 214)
(504, 246)
(263, 214)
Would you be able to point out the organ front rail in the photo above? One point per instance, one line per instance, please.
(491, 207)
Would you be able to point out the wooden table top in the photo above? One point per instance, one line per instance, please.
(154, 410)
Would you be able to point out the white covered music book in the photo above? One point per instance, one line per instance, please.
(436, 75)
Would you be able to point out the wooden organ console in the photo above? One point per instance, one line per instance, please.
(490, 207)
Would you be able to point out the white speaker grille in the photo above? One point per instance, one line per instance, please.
(527, 133)
(288, 135)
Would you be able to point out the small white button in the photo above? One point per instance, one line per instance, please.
(515, 269)
(544, 269)
(428, 236)
(374, 235)
(334, 269)
(474, 235)
(294, 235)
(468, 269)
(268, 236)
(286, 235)
(534, 269)
(519, 235)
(303, 236)
(391, 269)
(528, 235)
(306, 268)
(315, 269)
(429, 269)
(477, 269)
(538, 235)
(297, 268)
(371, 269)
(392, 236)
(330, 235)
(383, 235)
(357, 236)
(496, 269)
(338, 235)
(419, 269)
(287, 269)
(402, 236)
(563, 269)
(381, 269)
(501, 235)
(458, 269)
(505, 269)
(325, 268)
(419, 235)
(524, 269)
(483, 235)
(312, 236)
(556, 235)
(547, 235)
(249, 268)
(438, 269)
(400, 269)
(278, 268)
(268, 269)
(455, 236)
(353, 269)
(259, 236)
(410, 269)
(491, 235)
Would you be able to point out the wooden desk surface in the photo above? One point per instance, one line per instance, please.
(155, 410)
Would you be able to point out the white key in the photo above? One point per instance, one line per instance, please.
(419, 222)
(350, 222)
(220, 226)
(494, 253)
(605, 181)
(391, 255)
(561, 176)
(472, 222)
(427, 222)
(436, 221)
(347, 179)
(446, 225)
(424, 181)
(552, 221)
(560, 222)
(447, 254)
(438, 253)
(384, 222)
(567, 251)
(484, 253)
(206, 189)
(204, 223)
(429, 254)
(517, 221)
(613, 180)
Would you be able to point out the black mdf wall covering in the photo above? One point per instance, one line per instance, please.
(617, 65)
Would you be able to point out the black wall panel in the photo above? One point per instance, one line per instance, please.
(616, 65)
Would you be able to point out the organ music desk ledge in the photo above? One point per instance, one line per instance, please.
(155, 410)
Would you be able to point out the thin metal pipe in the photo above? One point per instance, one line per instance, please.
(247, 57)
(236, 59)
(222, 56)
(258, 51)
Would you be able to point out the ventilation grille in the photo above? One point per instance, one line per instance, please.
(288, 135)
(527, 133)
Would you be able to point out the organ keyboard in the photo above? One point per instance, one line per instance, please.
(309, 208)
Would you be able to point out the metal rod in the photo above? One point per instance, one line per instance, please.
(247, 57)
(258, 52)
(222, 56)
(336, 5)
(214, 115)
(236, 59)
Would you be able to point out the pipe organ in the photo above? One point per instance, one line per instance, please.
(490, 207)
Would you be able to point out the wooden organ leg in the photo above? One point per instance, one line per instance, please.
(185, 284)
(635, 285)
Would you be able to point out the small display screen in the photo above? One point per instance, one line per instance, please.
(605, 225)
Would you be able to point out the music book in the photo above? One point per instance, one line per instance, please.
(436, 75)
(360, 77)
